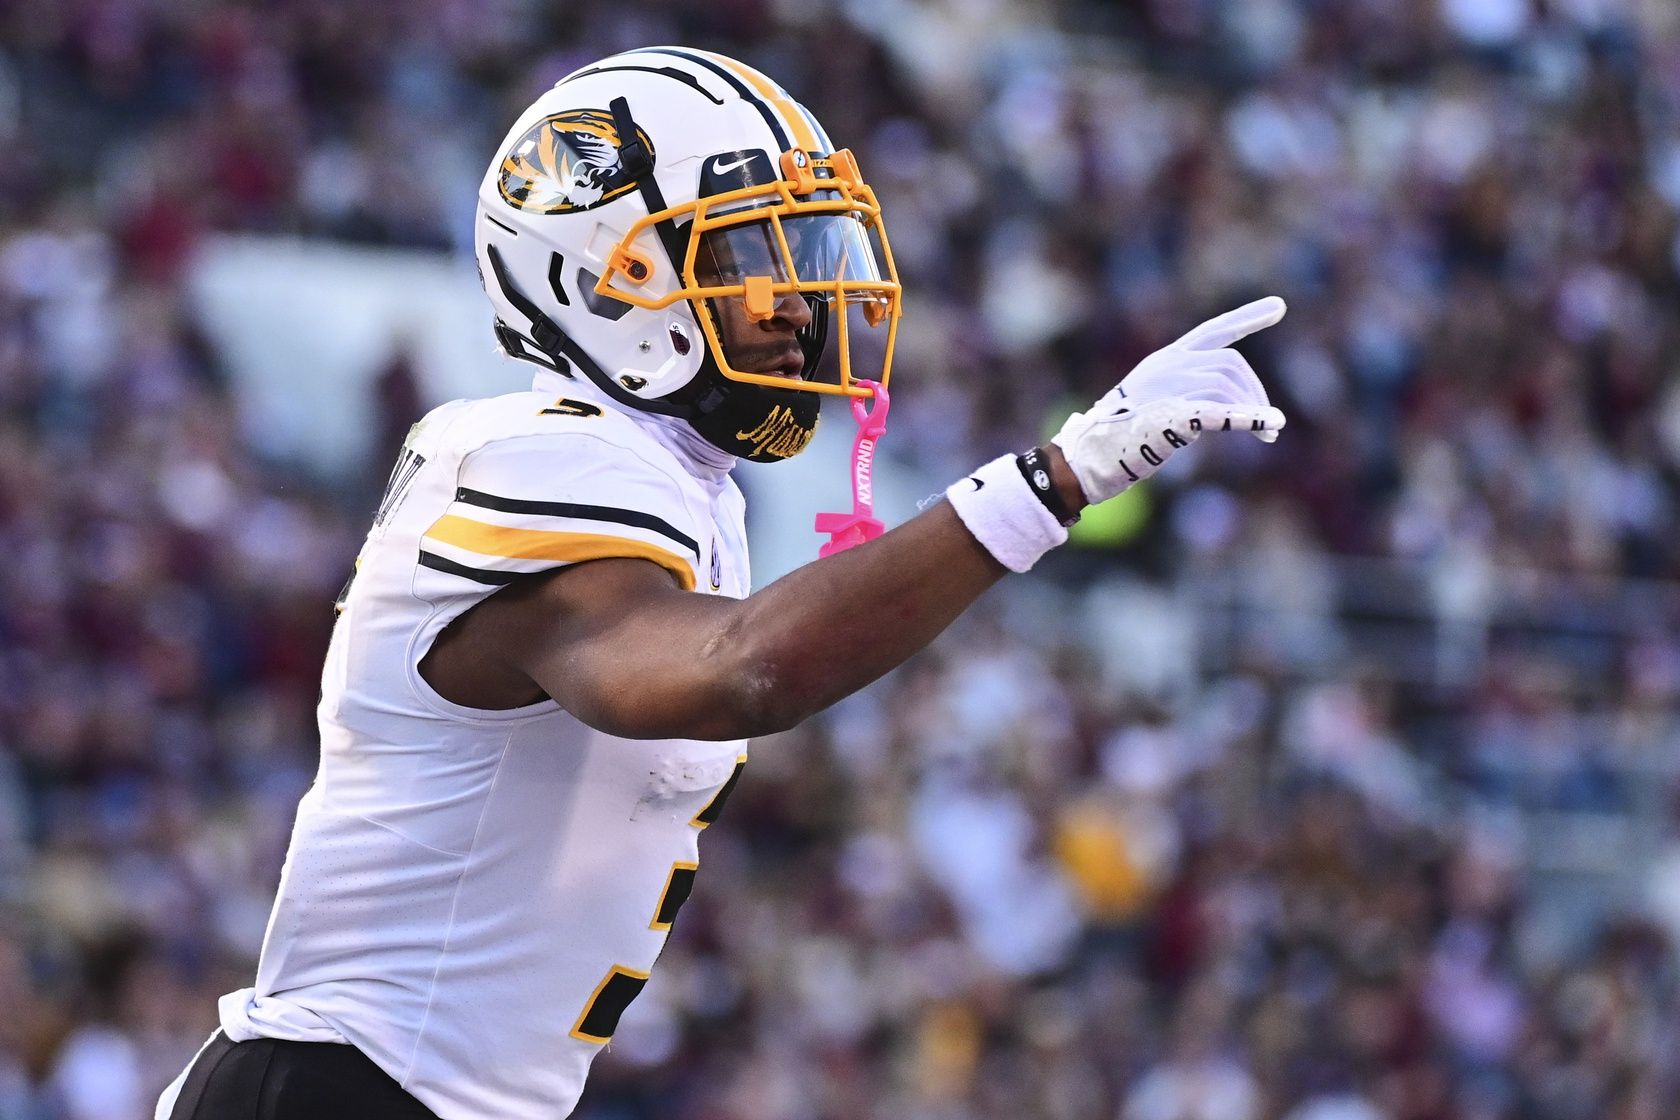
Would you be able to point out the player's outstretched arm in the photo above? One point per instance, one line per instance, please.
(621, 647)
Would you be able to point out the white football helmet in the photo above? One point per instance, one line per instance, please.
(672, 225)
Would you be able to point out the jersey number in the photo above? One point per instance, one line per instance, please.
(566, 406)
(623, 984)
(396, 489)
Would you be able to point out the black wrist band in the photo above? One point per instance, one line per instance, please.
(1035, 468)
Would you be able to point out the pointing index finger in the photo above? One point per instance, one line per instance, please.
(1225, 329)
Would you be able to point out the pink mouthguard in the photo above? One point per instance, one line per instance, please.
(847, 529)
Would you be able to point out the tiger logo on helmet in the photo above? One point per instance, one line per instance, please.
(569, 161)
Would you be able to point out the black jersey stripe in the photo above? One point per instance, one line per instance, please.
(633, 517)
(477, 575)
(747, 93)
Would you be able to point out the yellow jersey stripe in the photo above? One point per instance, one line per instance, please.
(792, 119)
(544, 544)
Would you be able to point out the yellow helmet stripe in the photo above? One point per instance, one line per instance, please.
(792, 119)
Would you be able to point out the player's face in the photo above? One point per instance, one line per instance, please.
(768, 346)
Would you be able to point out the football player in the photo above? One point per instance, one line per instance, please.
(549, 660)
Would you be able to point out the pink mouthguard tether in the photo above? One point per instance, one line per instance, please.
(847, 529)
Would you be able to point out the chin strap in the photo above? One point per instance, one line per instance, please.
(636, 166)
(848, 529)
(516, 345)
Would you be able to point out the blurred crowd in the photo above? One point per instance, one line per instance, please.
(1177, 829)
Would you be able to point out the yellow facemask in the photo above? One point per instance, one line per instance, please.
(816, 233)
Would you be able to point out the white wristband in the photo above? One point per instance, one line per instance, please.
(1004, 514)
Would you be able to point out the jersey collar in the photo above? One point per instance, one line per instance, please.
(704, 461)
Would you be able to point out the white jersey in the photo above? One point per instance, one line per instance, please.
(472, 897)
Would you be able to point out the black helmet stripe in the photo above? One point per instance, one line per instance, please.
(817, 129)
(740, 87)
(671, 72)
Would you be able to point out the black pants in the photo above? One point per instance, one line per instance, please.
(267, 1079)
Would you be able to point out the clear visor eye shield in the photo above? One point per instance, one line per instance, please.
(813, 236)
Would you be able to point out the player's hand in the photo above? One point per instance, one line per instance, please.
(1193, 386)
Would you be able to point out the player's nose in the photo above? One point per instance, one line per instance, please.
(791, 313)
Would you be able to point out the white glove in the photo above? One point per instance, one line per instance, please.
(1195, 385)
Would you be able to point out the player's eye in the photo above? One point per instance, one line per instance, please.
(740, 251)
